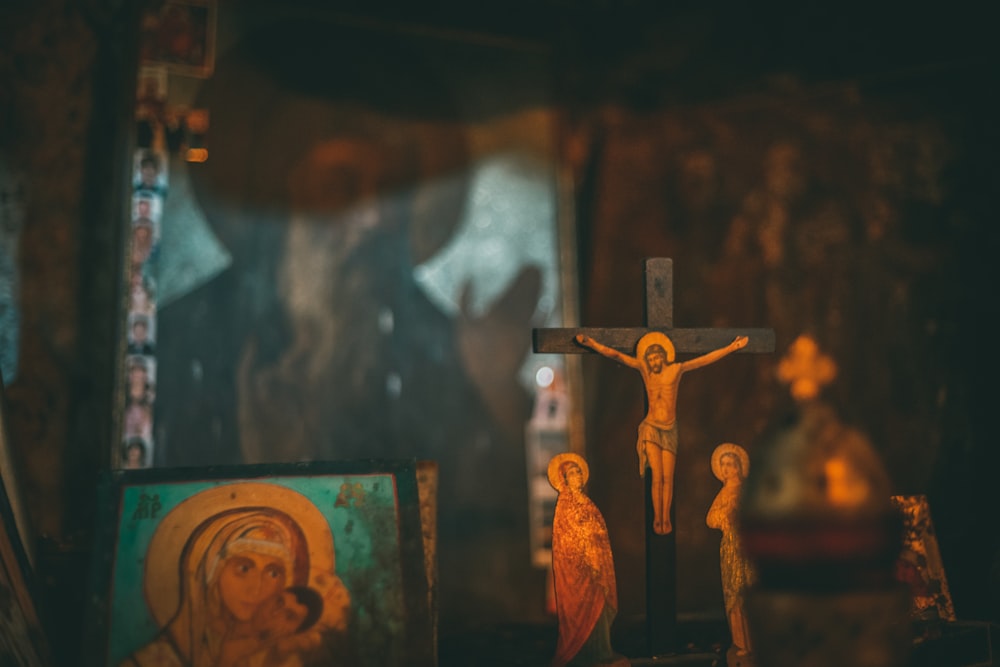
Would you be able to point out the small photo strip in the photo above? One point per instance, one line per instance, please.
(137, 452)
(138, 422)
(141, 334)
(149, 206)
(141, 293)
(142, 245)
(149, 173)
(140, 379)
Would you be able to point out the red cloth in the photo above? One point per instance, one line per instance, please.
(583, 572)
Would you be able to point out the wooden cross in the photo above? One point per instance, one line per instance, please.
(661, 550)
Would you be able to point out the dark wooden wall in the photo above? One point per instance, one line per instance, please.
(821, 171)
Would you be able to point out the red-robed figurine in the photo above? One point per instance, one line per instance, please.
(583, 571)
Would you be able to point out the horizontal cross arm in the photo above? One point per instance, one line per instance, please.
(686, 341)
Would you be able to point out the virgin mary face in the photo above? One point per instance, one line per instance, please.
(247, 579)
(731, 468)
(573, 476)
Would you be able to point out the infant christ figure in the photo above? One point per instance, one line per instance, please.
(657, 439)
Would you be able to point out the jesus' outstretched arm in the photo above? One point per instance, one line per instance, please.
(704, 360)
(609, 352)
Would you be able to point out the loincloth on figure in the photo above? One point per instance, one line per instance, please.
(661, 435)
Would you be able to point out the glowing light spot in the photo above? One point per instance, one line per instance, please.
(393, 385)
(544, 376)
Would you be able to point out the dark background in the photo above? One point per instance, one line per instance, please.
(823, 170)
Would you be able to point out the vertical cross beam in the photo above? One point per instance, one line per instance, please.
(661, 550)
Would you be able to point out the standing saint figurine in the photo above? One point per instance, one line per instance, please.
(657, 441)
(583, 570)
(730, 465)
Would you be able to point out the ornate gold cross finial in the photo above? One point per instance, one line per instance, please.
(805, 369)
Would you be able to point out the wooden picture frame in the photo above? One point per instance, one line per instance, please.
(919, 564)
(197, 564)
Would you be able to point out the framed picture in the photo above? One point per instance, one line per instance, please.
(180, 36)
(919, 563)
(318, 563)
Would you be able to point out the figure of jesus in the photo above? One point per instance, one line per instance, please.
(657, 439)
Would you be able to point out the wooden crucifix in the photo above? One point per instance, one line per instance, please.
(650, 349)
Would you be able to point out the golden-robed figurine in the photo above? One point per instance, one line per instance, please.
(583, 570)
(730, 464)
